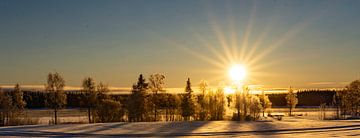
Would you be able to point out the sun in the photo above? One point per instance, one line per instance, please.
(237, 73)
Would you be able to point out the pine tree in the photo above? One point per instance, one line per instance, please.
(137, 102)
(56, 98)
(90, 99)
(292, 100)
(187, 104)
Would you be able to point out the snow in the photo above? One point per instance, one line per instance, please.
(288, 127)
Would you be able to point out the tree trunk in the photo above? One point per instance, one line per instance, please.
(155, 113)
(89, 114)
(290, 111)
(263, 113)
(166, 114)
(238, 115)
(155, 105)
(55, 115)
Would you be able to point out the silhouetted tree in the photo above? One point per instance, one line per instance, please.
(216, 104)
(156, 84)
(90, 95)
(246, 97)
(238, 104)
(173, 104)
(187, 104)
(109, 111)
(351, 98)
(56, 98)
(102, 89)
(291, 99)
(202, 101)
(137, 102)
(5, 107)
(18, 104)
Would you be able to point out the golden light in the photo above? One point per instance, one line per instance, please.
(229, 90)
(237, 72)
(229, 47)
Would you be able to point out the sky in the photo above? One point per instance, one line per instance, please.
(304, 44)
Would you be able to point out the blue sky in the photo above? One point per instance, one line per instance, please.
(115, 41)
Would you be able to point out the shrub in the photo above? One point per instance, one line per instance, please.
(109, 111)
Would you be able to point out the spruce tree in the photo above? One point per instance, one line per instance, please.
(137, 101)
(188, 104)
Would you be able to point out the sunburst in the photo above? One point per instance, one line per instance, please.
(234, 52)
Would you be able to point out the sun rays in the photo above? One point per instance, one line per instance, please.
(233, 45)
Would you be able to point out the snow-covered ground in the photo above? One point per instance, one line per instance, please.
(288, 127)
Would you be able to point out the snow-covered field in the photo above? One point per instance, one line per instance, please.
(78, 116)
(288, 127)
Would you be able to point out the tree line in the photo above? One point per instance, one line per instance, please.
(149, 101)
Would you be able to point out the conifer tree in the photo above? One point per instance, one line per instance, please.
(187, 104)
(137, 102)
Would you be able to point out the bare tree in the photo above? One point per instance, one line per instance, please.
(89, 89)
(156, 84)
(56, 98)
(102, 89)
(216, 104)
(18, 104)
(292, 100)
(255, 107)
(238, 104)
(265, 102)
(202, 100)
